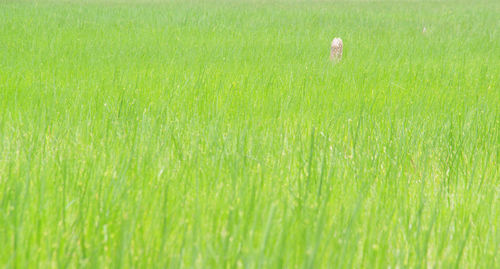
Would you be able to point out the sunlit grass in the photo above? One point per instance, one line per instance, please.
(218, 134)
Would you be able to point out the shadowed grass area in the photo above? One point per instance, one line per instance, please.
(218, 135)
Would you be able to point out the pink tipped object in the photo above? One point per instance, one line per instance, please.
(336, 49)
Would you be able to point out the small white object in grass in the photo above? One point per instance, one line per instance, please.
(336, 49)
(424, 30)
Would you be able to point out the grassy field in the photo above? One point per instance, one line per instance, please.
(217, 134)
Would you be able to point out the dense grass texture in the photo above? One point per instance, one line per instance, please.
(217, 134)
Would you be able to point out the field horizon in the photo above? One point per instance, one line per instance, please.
(217, 134)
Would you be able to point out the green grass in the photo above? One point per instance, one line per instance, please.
(217, 134)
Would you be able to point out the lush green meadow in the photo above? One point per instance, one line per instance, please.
(217, 134)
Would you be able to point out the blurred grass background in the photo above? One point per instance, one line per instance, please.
(217, 134)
